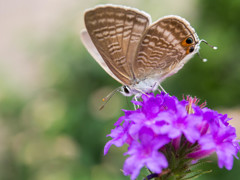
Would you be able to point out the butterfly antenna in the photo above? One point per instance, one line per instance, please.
(108, 97)
(203, 59)
(213, 47)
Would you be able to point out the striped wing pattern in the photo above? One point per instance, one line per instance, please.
(116, 32)
(161, 49)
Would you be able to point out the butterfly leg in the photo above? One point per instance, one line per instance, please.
(136, 99)
(161, 89)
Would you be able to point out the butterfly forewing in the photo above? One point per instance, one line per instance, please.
(95, 54)
(162, 49)
(116, 33)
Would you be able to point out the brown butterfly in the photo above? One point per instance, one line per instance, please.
(135, 52)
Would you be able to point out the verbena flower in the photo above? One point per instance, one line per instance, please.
(166, 135)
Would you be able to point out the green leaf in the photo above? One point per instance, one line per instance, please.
(197, 175)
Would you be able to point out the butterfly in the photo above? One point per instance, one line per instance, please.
(134, 51)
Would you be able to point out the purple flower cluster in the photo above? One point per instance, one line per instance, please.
(161, 121)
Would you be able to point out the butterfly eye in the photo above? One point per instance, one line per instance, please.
(126, 89)
(189, 40)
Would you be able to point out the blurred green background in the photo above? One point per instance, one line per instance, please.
(51, 88)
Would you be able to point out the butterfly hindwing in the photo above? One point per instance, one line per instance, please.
(162, 50)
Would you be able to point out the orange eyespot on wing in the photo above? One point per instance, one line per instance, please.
(187, 42)
(190, 49)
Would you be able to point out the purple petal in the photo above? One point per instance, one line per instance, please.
(157, 162)
(225, 159)
(132, 167)
(200, 154)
